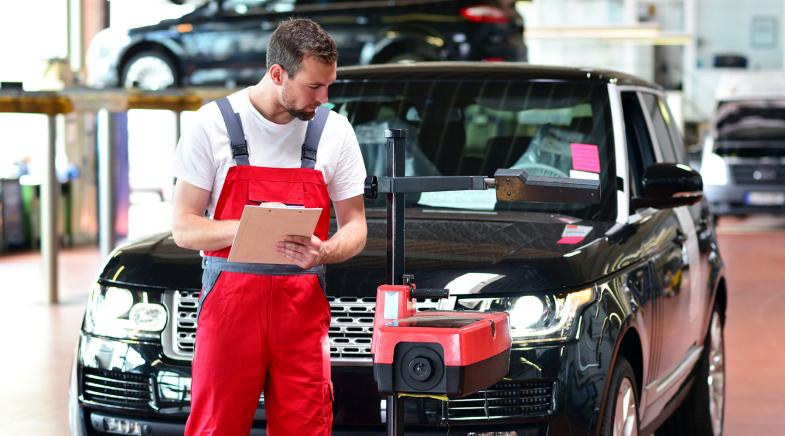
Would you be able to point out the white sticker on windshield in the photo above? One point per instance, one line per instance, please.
(575, 174)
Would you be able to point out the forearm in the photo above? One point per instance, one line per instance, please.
(345, 243)
(202, 233)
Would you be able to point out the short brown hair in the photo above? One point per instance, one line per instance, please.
(294, 39)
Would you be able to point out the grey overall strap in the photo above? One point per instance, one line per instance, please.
(235, 129)
(312, 136)
(222, 264)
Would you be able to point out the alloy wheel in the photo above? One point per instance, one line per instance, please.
(716, 379)
(625, 419)
(149, 72)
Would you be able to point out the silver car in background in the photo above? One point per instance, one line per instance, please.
(743, 160)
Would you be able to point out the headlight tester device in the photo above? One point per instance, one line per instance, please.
(442, 354)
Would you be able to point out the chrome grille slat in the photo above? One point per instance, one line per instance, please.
(504, 400)
(351, 327)
(116, 388)
(184, 329)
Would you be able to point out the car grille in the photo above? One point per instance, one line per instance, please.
(758, 174)
(184, 324)
(508, 399)
(115, 388)
(351, 326)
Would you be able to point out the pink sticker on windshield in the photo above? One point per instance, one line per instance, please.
(585, 157)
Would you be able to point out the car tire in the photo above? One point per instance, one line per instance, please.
(621, 411)
(702, 412)
(149, 70)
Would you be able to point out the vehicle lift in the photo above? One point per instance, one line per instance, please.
(442, 354)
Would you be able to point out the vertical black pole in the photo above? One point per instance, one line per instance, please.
(396, 148)
(396, 140)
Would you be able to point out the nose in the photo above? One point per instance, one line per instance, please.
(321, 96)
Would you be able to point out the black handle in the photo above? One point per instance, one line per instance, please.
(371, 190)
(430, 293)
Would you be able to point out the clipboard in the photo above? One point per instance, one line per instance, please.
(262, 227)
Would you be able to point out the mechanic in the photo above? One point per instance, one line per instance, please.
(264, 327)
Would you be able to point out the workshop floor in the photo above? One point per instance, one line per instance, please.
(38, 340)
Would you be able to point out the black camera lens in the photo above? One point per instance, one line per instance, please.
(420, 368)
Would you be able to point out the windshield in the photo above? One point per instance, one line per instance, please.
(474, 127)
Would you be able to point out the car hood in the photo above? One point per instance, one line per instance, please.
(494, 255)
(468, 253)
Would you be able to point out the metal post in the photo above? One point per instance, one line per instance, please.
(396, 148)
(49, 195)
(106, 183)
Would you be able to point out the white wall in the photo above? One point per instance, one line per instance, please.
(726, 26)
(616, 55)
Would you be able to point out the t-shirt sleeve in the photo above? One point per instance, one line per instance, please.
(349, 179)
(193, 157)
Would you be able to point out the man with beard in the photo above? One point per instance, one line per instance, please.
(263, 327)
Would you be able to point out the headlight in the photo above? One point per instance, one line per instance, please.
(714, 170)
(124, 314)
(535, 318)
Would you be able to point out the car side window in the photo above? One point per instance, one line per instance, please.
(640, 151)
(673, 129)
(664, 139)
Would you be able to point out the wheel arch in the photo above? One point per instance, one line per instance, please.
(147, 45)
(407, 42)
(630, 347)
(721, 298)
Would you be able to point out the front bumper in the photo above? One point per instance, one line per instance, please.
(555, 389)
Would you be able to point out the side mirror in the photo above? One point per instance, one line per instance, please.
(667, 185)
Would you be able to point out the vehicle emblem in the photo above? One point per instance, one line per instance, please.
(764, 174)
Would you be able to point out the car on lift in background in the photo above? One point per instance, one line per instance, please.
(743, 158)
(616, 308)
(223, 42)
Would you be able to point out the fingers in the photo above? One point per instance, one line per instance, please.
(302, 240)
(302, 254)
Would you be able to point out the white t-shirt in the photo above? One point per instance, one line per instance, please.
(203, 155)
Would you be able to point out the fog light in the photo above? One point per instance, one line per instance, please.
(119, 425)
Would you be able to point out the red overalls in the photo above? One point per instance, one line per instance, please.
(263, 327)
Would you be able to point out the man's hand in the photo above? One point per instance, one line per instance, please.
(305, 252)
(350, 238)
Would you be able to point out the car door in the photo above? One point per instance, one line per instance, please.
(662, 245)
(683, 297)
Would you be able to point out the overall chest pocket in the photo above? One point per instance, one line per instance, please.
(291, 193)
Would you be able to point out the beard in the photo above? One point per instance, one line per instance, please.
(300, 114)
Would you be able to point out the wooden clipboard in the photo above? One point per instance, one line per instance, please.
(262, 227)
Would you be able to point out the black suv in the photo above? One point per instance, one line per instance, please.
(224, 41)
(616, 308)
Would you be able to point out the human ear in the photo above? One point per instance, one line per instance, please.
(277, 74)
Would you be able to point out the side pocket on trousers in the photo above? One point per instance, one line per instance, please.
(327, 405)
(209, 279)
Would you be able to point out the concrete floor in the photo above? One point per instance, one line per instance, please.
(35, 365)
